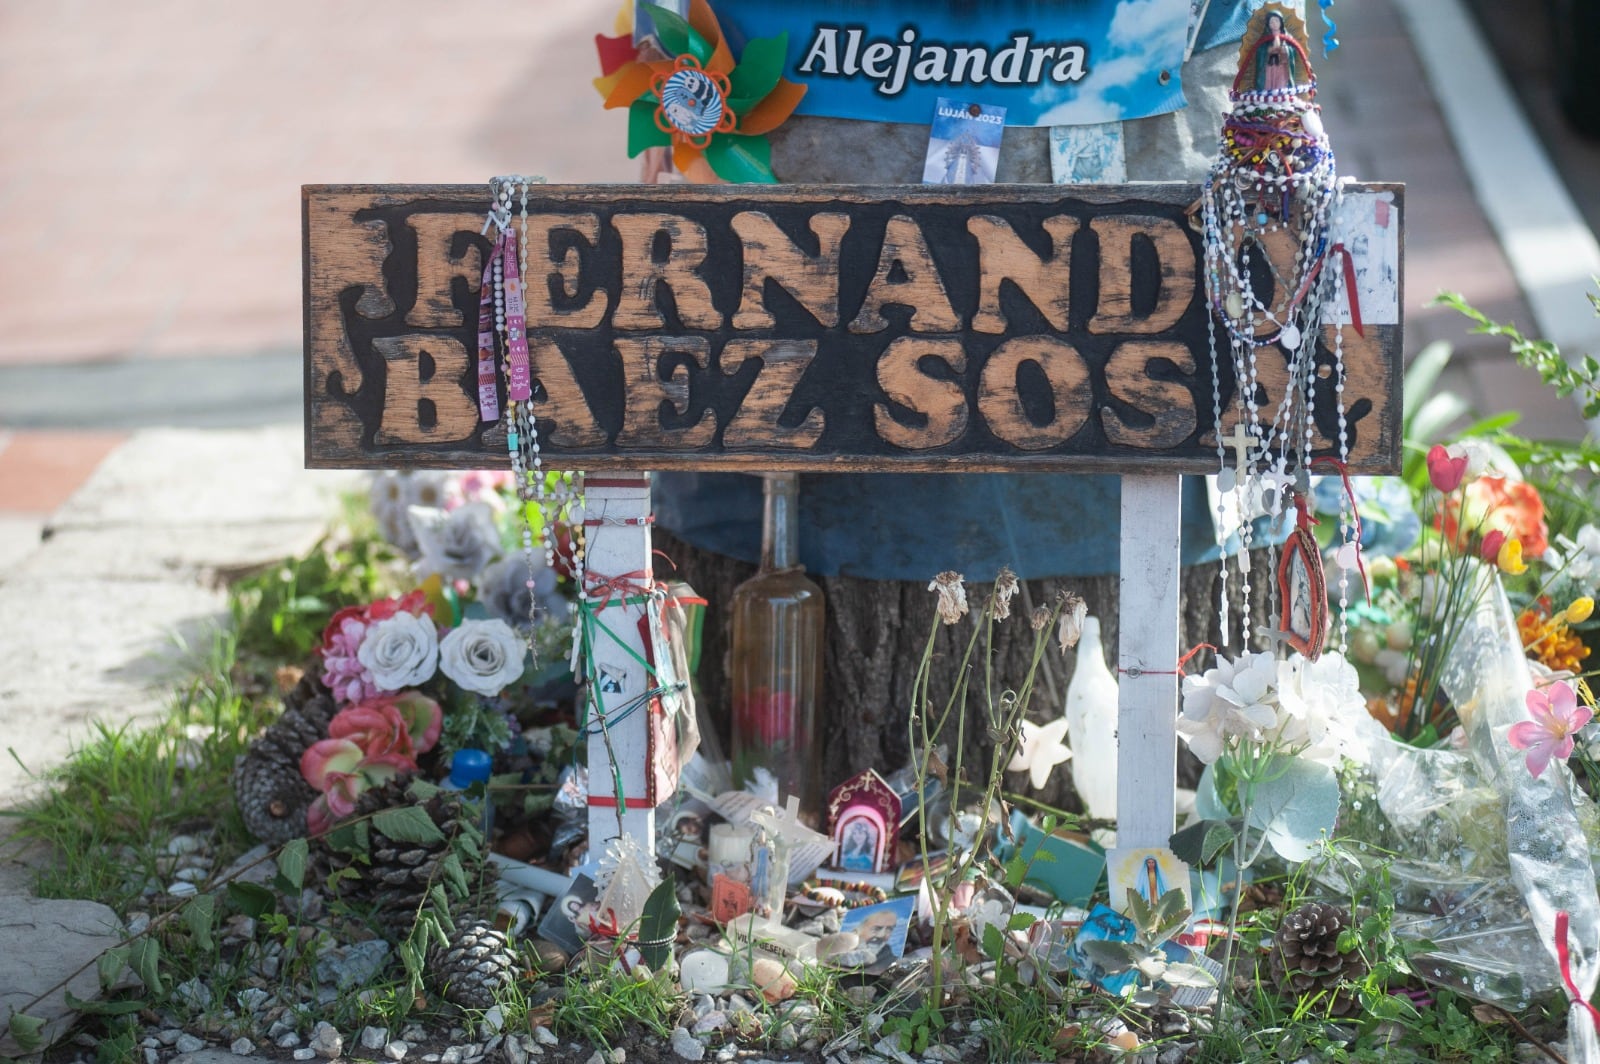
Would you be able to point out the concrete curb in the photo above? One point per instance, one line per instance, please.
(121, 595)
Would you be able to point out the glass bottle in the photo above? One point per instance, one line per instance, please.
(777, 620)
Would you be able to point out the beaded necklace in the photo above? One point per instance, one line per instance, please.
(1267, 209)
(553, 501)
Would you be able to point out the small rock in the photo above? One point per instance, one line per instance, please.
(414, 1033)
(242, 1047)
(138, 923)
(192, 875)
(305, 1054)
(861, 996)
(188, 1043)
(715, 1020)
(193, 993)
(494, 1020)
(151, 1056)
(168, 1036)
(288, 1040)
(182, 888)
(546, 1037)
(787, 1037)
(619, 1055)
(773, 979)
(1173, 1055)
(253, 999)
(239, 926)
(686, 1045)
(396, 1050)
(514, 1052)
(597, 1058)
(374, 1037)
(726, 1053)
(451, 1055)
(267, 967)
(179, 845)
(890, 1048)
(354, 965)
(326, 1041)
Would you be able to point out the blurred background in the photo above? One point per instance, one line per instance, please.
(154, 152)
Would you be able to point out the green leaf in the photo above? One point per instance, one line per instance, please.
(100, 1007)
(1170, 909)
(1020, 921)
(1296, 805)
(252, 899)
(737, 158)
(642, 129)
(758, 72)
(1179, 974)
(1112, 956)
(411, 957)
(198, 916)
(408, 824)
(455, 875)
(110, 965)
(145, 960)
(28, 1031)
(658, 924)
(676, 35)
(994, 942)
(292, 863)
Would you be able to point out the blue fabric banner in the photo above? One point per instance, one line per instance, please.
(1048, 62)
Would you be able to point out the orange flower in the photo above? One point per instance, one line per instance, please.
(1550, 642)
(1495, 504)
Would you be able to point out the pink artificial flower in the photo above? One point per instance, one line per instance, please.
(1489, 550)
(376, 726)
(1557, 717)
(342, 772)
(424, 719)
(1446, 467)
(327, 759)
(342, 672)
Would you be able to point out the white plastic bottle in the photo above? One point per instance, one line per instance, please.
(1091, 713)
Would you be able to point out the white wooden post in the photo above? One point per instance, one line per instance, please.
(1147, 661)
(616, 566)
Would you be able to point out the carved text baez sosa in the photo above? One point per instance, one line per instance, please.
(802, 327)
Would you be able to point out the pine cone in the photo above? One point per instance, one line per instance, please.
(1305, 958)
(397, 878)
(271, 793)
(476, 969)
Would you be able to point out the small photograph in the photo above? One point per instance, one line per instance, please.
(1150, 872)
(1103, 924)
(683, 840)
(963, 143)
(1088, 155)
(916, 872)
(882, 929)
(858, 844)
(567, 922)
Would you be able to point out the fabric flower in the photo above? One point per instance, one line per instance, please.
(405, 725)
(400, 651)
(342, 671)
(1236, 699)
(503, 590)
(1557, 717)
(482, 656)
(391, 495)
(952, 596)
(1509, 558)
(342, 771)
(478, 485)
(457, 543)
(1323, 708)
(1488, 503)
(1446, 467)
(1581, 609)
(1041, 750)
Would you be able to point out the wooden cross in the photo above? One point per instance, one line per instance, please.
(726, 374)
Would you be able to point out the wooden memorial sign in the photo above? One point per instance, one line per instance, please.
(907, 328)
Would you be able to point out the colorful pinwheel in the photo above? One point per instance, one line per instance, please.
(700, 103)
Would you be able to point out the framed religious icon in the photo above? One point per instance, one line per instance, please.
(1302, 590)
(863, 818)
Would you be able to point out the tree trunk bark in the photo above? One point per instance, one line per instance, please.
(876, 633)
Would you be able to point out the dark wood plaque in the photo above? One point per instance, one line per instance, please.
(915, 328)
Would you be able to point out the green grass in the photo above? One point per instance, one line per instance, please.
(601, 1010)
(108, 812)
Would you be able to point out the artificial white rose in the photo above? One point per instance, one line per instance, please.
(401, 651)
(456, 544)
(1236, 699)
(482, 656)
